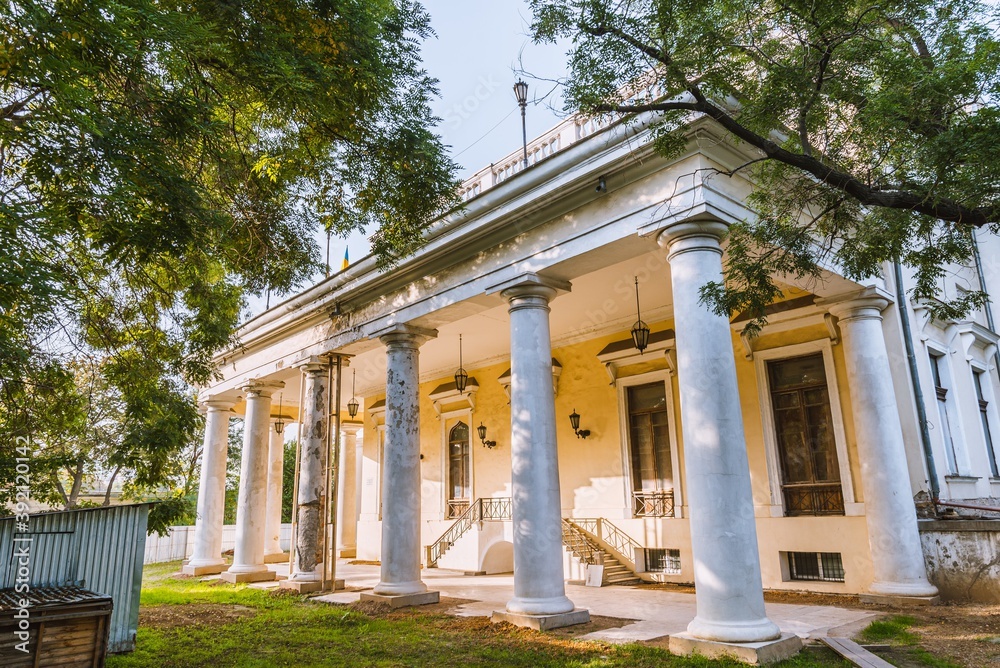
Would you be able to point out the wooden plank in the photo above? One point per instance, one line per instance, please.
(38, 645)
(855, 653)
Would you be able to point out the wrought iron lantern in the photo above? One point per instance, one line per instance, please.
(482, 437)
(640, 330)
(574, 420)
(461, 377)
(353, 404)
(279, 424)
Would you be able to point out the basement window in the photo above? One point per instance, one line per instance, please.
(825, 566)
(661, 560)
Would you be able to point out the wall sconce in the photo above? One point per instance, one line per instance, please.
(482, 437)
(279, 424)
(574, 420)
(461, 377)
(353, 404)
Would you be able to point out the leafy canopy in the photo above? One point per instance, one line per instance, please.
(160, 160)
(876, 124)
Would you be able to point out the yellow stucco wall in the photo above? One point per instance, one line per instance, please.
(592, 471)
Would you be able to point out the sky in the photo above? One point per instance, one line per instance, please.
(480, 50)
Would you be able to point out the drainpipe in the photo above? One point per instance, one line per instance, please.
(918, 394)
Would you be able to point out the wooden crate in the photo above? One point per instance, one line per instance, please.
(67, 627)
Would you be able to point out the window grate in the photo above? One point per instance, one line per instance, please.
(661, 560)
(825, 566)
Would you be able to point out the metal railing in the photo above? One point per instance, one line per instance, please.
(492, 509)
(653, 504)
(577, 541)
(604, 531)
(813, 499)
(457, 507)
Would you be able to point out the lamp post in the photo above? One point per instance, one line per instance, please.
(521, 92)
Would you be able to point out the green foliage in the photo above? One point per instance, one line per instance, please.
(84, 431)
(288, 481)
(159, 162)
(875, 126)
(173, 510)
(892, 629)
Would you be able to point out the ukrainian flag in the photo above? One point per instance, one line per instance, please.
(346, 262)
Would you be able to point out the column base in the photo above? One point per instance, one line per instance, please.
(899, 600)
(253, 576)
(275, 558)
(542, 622)
(403, 600)
(755, 653)
(308, 586)
(399, 588)
(204, 569)
(349, 553)
(556, 605)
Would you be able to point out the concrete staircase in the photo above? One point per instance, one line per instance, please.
(587, 550)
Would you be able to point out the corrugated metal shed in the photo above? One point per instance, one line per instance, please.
(100, 549)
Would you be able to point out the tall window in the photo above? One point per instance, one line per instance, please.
(984, 417)
(459, 482)
(807, 448)
(649, 441)
(937, 362)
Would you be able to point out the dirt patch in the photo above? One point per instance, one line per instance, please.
(362, 562)
(776, 596)
(192, 614)
(596, 623)
(379, 610)
(967, 634)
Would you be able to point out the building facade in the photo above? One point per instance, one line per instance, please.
(789, 460)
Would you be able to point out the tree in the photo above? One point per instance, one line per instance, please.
(875, 125)
(159, 162)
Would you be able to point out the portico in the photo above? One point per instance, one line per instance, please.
(690, 465)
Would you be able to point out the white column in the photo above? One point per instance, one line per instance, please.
(728, 591)
(251, 508)
(275, 470)
(207, 556)
(897, 557)
(312, 481)
(347, 526)
(401, 495)
(539, 588)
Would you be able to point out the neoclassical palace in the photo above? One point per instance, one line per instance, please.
(789, 460)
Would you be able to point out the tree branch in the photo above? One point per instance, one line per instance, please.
(943, 209)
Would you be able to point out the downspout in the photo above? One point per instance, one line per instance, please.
(918, 394)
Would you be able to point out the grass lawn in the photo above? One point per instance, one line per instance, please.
(186, 623)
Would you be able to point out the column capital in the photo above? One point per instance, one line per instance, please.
(857, 305)
(259, 388)
(217, 406)
(530, 284)
(312, 364)
(404, 336)
(691, 235)
(351, 427)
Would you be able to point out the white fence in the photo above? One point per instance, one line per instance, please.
(179, 543)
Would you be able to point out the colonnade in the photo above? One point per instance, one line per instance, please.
(729, 596)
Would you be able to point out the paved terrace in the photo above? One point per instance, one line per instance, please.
(656, 613)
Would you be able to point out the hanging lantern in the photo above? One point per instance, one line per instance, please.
(279, 424)
(353, 404)
(461, 377)
(640, 330)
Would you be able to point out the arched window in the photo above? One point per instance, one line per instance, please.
(459, 474)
